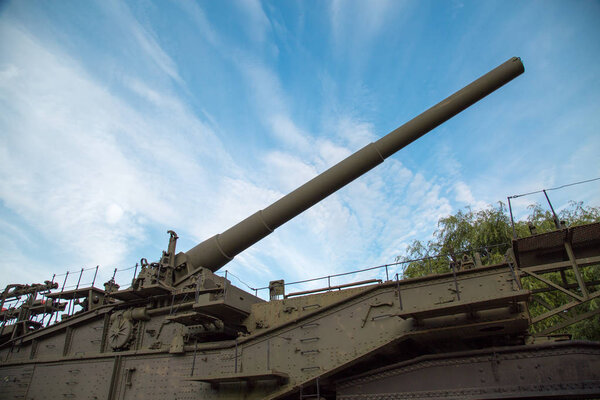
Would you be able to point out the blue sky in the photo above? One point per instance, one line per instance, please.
(120, 120)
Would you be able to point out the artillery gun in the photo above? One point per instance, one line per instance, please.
(183, 332)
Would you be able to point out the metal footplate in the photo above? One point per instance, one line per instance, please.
(250, 379)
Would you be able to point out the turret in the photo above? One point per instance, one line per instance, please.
(218, 250)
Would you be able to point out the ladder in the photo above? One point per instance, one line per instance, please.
(316, 395)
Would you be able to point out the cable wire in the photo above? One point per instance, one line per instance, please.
(554, 188)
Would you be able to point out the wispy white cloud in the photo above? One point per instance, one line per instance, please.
(153, 96)
(145, 37)
(85, 168)
(197, 14)
(355, 24)
(18, 267)
(256, 22)
(465, 196)
(288, 132)
(101, 169)
(70, 159)
(352, 131)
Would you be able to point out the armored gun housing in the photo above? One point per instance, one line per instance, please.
(183, 332)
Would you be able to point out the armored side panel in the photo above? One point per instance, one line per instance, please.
(547, 371)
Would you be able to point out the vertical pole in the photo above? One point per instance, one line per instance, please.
(512, 220)
(387, 276)
(134, 273)
(511, 260)
(62, 289)
(580, 280)
(556, 221)
(71, 304)
(455, 281)
(79, 280)
(95, 274)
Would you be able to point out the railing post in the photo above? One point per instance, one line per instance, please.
(134, 273)
(61, 290)
(71, 304)
(556, 221)
(79, 280)
(455, 280)
(512, 220)
(95, 274)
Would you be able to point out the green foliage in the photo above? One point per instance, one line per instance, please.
(489, 233)
(486, 231)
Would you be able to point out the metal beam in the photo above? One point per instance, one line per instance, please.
(578, 276)
(563, 308)
(546, 305)
(567, 286)
(568, 322)
(557, 266)
(545, 371)
(554, 285)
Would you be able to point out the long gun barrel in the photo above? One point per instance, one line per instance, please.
(218, 250)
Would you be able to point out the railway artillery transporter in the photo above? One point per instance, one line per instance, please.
(183, 332)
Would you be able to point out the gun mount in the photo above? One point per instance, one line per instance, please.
(181, 331)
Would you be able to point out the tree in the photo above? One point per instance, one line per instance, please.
(486, 235)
